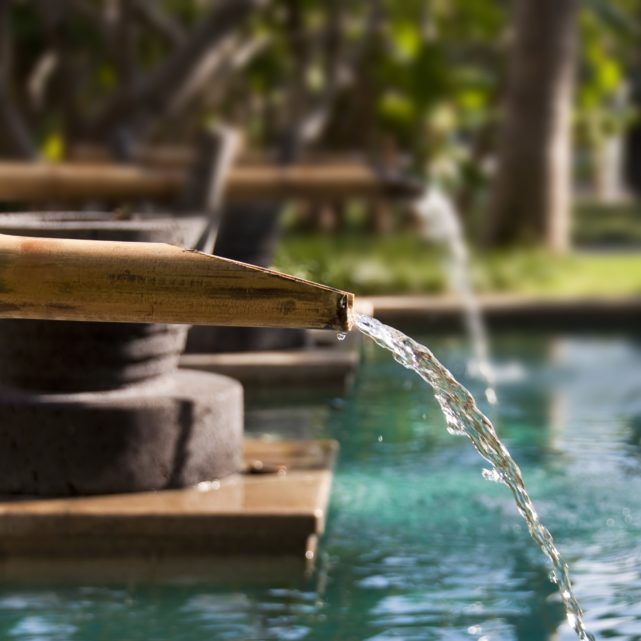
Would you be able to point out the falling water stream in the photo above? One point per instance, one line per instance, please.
(440, 222)
(463, 417)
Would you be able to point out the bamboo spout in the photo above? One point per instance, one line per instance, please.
(87, 280)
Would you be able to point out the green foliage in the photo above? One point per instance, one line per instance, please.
(402, 264)
(538, 272)
(609, 33)
(361, 263)
(428, 74)
(438, 91)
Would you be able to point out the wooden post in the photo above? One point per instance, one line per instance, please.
(60, 279)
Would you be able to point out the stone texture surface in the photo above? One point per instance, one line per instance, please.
(170, 432)
(67, 356)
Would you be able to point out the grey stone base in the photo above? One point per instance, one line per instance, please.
(170, 432)
(71, 357)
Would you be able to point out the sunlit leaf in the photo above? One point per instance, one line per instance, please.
(53, 147)
(406, 38)
(396, 107)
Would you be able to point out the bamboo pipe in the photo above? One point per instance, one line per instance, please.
(171, 156)
(89, 280)
(183, 157)
(72, 182)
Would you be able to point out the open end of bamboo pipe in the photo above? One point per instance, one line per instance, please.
(87, 280)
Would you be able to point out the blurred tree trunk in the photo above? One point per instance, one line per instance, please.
(532, 189)
(15, 137)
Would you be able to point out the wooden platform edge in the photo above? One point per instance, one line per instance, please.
(325, 366)
(277, 512)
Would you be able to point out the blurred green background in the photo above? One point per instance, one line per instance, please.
(525, 113)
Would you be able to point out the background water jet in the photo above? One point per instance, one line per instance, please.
(440, 221)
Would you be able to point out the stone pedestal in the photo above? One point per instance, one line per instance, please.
(168, 432)
(67, 356)
(100, 408)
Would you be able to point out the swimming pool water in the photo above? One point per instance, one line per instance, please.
(419, 545)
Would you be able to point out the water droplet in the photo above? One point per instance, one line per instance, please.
(207, 486)
(491, 475)
(455, 431)
(490, 395)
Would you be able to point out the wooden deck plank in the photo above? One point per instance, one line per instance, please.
(280, 511)
(512, 310)
(269, 368)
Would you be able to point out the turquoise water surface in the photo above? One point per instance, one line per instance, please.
(419, 545)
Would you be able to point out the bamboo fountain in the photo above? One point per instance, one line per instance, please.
(167, 430)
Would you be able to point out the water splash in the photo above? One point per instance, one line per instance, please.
(463, 417)
(440, 222)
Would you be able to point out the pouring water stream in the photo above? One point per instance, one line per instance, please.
(463, 417)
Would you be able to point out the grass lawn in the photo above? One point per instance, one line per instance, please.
(403, 264)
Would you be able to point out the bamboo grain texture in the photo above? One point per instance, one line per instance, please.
(85, 280)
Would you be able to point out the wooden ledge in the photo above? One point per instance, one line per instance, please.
(276, 508)
(292, 367)
(511, 310)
